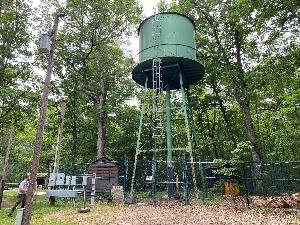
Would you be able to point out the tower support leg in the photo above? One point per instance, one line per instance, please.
(188, 133)
(185, 181)
(194, 135)
(138, 144)
(153, 182)
(170, 168)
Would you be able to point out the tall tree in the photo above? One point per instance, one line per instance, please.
(223, 40)
(92, 31)
(14, 66)
(41, 124)
(235, 39)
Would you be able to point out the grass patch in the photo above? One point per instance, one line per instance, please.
(210, 198)
(141, 196)
(63, 213)
(41, 208)
(39, 211)
(262, 210)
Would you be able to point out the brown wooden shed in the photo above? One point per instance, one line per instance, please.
(42, 180)
(107, 175)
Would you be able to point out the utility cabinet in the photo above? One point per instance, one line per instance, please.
(45, 43)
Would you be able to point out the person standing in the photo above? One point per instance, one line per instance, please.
(23, 187)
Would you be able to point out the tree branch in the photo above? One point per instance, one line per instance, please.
(211, 21)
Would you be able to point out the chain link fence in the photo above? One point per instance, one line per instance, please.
(272, 178)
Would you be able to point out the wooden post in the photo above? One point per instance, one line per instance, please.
(40, 129)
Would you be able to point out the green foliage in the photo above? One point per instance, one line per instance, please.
(270, 55)
(15, 70)
(241, 153)
(238, 156)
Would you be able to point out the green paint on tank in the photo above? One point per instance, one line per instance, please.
(176, 47)
(176, 39)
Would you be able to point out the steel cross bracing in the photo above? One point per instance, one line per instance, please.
(158, 113)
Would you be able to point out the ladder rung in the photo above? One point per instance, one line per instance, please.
(158, 136)
(144, 151)
(170, 182)
(163, 149)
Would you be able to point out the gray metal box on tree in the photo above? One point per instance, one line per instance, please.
(45, 43)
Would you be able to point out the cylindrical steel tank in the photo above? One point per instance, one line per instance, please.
(174, 44)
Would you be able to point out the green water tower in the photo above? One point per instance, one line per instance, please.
(175, 45)
(167, 61)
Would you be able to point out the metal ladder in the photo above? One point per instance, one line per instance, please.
(156, 76)
(158, 122)
(157, 83)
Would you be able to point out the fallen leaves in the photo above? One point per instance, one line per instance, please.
(170, 213)
(284, 201)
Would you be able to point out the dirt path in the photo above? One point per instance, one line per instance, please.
(171, 215)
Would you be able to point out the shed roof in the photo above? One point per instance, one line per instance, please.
(42, 175)
(102, 160)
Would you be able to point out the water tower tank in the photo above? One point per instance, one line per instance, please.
(175, 45)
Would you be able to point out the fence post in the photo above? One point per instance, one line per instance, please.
(203, 180)
(125, 181)
(153, 182)
(246, 185)
(19, 216)
(93, 193)
(185, 181)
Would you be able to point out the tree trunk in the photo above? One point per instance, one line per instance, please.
(203, 130)
(241, 94)
(256, 154)
(99, 101)
(224, 113)
(100, 105)
(40, 129)
(245, 105)
(6, 160)
(59, 137)
(74, 133)
(101, 131)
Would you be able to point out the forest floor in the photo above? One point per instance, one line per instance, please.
(173, 214)
(146, 214)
